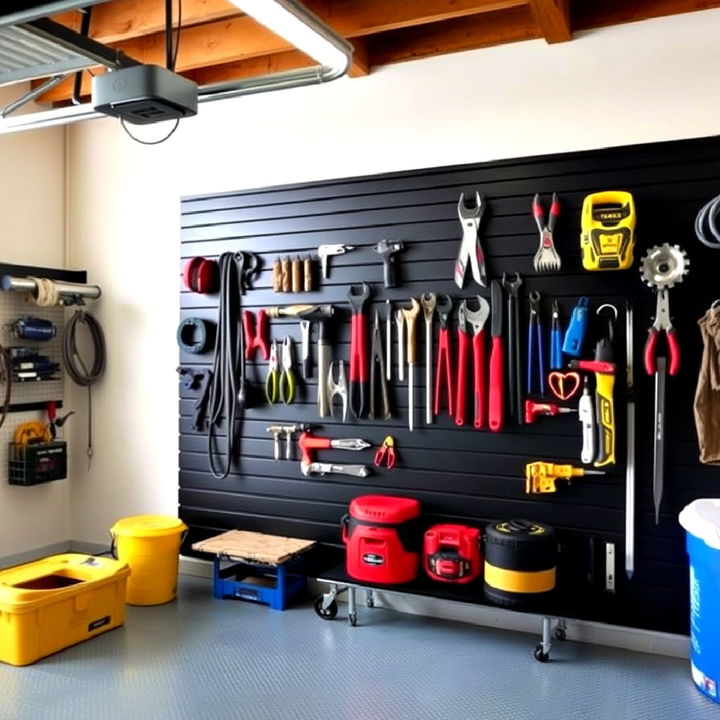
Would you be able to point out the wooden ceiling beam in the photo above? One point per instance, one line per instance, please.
(113, 22)
(553, 19)
(354, 18)
(453, 36)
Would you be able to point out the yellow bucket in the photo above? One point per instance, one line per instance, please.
(150, 545)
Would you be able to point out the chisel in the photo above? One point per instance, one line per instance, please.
(630, 465)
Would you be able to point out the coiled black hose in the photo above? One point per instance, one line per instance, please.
(226, 392)
(706, 225)
(75, 365)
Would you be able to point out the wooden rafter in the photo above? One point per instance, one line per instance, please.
(454, 36)
(553, 18)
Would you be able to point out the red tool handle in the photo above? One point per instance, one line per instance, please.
(248, 320)
(309, 442)
(496, 385)
(261, 337)
(598, 366)
(651, 349)
(463, 346)
(358, 354)
(479, 373)
(443, 364)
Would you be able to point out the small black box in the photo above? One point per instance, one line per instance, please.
(37, 463)
(144, 94)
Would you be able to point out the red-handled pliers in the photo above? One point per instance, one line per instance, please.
(256, 337)
(385, 454)
(358, 350)
(662, 323)
(442, 366)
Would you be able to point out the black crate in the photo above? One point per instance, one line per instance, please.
(37, 463)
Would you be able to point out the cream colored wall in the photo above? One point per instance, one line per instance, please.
(630, 84)
(32, 232)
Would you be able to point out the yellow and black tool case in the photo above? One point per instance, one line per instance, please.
(50, 604)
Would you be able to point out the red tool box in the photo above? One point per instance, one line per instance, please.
(451, 553)
(382, 539)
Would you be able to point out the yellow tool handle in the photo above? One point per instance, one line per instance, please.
(411, 322)
(289, 310)
(605, 417)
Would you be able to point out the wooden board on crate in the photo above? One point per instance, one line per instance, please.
(254, 546)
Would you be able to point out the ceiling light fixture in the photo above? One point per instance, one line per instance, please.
(293, 22)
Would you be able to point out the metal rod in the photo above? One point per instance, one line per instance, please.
(30, 95)
(64, 288)
(630, 461)
(659, 447)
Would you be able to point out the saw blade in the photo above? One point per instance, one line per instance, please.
(664, 265)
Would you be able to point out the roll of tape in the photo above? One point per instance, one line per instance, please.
(193, 335)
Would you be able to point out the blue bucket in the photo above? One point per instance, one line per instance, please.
(701, 520)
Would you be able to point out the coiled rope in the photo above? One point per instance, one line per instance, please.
(226, 391)
(46, 293)
(75, 365)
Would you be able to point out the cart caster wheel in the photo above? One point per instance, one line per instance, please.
(370, 602)
(327, 613)
(540, 654)
(352, 617)
(560, 634)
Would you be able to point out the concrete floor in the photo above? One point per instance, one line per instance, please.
(201, 658)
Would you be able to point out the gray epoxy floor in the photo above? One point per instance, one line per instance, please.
(201, 658)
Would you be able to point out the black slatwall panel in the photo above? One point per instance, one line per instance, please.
(460, 474)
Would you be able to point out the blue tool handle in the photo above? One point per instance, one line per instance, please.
(541, 359)
(555, 349)
(531, 353)
(575, 334)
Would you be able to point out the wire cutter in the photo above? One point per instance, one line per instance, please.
(536, 354)
(662, 323)
(287, 377)
(470, 248)
(385, 454)
(377, 374)
(271, 381)
(337, 389)
(442, 364)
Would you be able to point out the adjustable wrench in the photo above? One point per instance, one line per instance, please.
(477, 319)
(428, 302)
(410, 315)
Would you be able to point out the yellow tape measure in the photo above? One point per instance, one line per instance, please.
(608, 230)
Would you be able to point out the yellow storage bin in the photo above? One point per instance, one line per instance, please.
(50, 604)
(150, 545)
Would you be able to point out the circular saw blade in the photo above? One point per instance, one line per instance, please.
(664, 265)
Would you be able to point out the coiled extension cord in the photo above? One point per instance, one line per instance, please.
(75, 365)
(706, 224)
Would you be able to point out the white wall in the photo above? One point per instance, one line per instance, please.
(649, 81)
(32, 232)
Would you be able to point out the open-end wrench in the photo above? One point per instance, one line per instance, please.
(400, 322)
(477, 319)
(470, 248)
(428, 302)
(512, 286)
(411, 322)
(358, 350)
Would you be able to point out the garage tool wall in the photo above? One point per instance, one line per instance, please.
(458, 473)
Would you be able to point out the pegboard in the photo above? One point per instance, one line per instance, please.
(460, 474)
(13, 305)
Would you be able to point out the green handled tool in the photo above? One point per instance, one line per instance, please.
(272, 380)
(287, 377)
